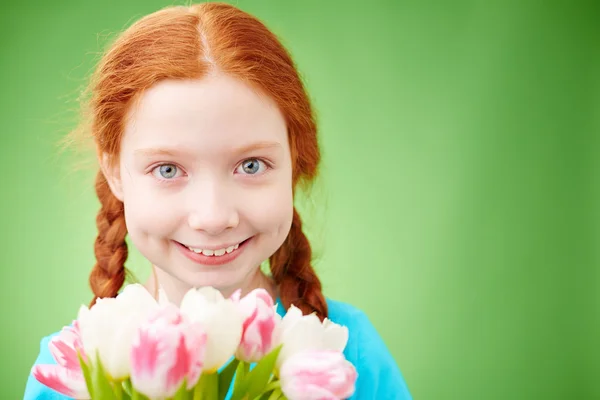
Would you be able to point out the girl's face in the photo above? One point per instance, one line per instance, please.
(205, 175)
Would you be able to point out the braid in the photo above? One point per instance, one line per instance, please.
(108, 275)
(292, 272)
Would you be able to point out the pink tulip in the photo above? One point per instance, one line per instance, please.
(166, 350)
(259, 324)
(323, 375)
(66, 377)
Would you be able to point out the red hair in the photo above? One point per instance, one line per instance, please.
(187, 43)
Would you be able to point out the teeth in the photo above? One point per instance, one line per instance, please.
(216, 253)
(219, 252)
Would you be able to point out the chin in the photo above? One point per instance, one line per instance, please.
(218, 279)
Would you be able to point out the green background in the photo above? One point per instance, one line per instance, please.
(458, 202)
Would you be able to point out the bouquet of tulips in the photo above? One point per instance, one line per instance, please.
(211, 347)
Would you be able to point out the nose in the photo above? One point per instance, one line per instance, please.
(212, 209)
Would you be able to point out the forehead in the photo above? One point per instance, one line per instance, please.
(210, 112)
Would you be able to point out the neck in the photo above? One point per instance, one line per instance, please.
(176, 289)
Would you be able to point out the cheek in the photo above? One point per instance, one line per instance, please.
(147, 212)
(270, 211)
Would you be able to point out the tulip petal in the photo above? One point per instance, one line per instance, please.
(107, 329)
(196, 345)
(335, 336)
(163, 299)
(222, 321)
(181, 363)
(259, 325)
(236, 296)
(64, 347)
(303, 334)
(65, 381)
(151, 357)
(166, 350)
(318, 375)
(211, 294)
(224, 328)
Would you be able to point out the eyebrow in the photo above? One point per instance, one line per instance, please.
(155, 152)
(171, 152)
(257, 146)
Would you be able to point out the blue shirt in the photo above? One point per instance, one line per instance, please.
(378, 374)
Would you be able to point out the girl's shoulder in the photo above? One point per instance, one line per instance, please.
(346, 314)
(378, 373)
(33, 388)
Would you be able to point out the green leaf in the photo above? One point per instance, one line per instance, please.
(127, 386)
(197, 393)
(118, 390)
(126, 395)
(276, 395)
(86, 374)
(240, 374)
(268, 391)
(260, 376)
(102, 387)
(135, 395)
(183, 393)
(271, 394)
(255, 381)
(225, 378)
(207, 388)
(274, 384)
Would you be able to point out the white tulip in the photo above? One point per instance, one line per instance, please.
(299, 333)
(220, 318)
(108, 328)
(163, 300)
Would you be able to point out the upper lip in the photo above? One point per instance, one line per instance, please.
(221, 246)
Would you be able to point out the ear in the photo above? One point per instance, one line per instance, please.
(112, 172)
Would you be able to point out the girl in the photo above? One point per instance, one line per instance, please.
(203, 132)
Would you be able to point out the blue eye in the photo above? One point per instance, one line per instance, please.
(167, 171)
(251, 166)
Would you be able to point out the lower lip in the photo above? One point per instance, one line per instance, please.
(212, 260)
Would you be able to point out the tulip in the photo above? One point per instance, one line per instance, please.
(162, 297)
(322, 375)
(222, 321)
(108, 328)
(300, 333)
(167, 350)
(66, 377)
(260, 319)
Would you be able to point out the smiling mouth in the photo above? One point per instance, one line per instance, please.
(215, 253)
